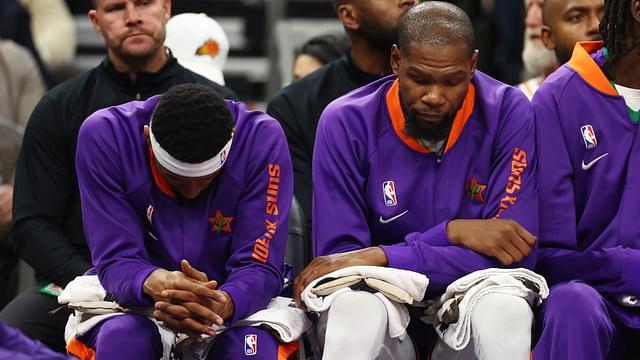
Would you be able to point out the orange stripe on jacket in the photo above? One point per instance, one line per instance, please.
(398, 120)
(160, 182)
(588, 69)
(78, 349)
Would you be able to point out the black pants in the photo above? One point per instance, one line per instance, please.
(9, 275)
(29, 313)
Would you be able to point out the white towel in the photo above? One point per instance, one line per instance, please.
(84, 288)
(401, 281)
(466, 291)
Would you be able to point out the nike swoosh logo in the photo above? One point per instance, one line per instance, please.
(588, 165)
(386, 221)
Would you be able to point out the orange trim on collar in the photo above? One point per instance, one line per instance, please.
(160, 182)
(588, 69)
(398, 120)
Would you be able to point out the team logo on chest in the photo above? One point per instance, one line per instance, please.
(389, 193)
(220, 223)
(250, 344)
(474, 190)
(589, 137)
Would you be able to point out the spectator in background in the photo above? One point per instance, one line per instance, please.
(199, 43)
(372, 28)
(538, 60)
(15, 24)
(47, 222)
(53, 32)
(567, 22)
(553, 29)
(318, 51)
(21, 87)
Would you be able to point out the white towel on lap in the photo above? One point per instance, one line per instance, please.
(453, 320)
(400, 286)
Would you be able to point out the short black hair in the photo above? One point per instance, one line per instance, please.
(325, 48)
(435, 23)
(615, 21)
(192, 122)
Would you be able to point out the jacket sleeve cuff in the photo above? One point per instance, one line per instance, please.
(436, 236)
(240, 302)
(401, 256)
(631, 271)
(138, 297)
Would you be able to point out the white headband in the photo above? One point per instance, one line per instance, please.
(178, 167)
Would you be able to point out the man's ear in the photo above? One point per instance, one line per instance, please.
(94, 21)
(167, 10)
(547, 38)
(348, 16)
(395, 59)
(474, 61)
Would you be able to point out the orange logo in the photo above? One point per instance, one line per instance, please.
(518, 167)
(210, 47)
(220, 222)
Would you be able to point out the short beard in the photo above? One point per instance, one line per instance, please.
(427, 131)
(377, 37)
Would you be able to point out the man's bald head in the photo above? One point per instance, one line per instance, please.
(436, 24)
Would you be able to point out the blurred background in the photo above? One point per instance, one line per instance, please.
(263, 36)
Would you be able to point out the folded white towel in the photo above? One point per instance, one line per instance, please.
(282, 316)
(84, 288)
(453, 320)
(396, 287)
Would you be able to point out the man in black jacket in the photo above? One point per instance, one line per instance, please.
(47, 220)
(372, 27)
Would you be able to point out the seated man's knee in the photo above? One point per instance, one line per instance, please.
(573, 302)
(503, 309)
(357, 309)
(245, 343)
(502, 326)
(131, 332)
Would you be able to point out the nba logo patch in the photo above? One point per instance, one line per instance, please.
(251, 344)
(389, 193)
(589, 136)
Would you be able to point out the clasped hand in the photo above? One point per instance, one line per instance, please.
(187, 301)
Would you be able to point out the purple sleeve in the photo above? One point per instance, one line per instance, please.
(339, 205)
(16, 346)
(114, 231)
(560, 259)
(256, 259)
(511, 194)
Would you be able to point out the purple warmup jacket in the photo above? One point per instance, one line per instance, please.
(375, 186)
(589, 180)
(235, 231)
